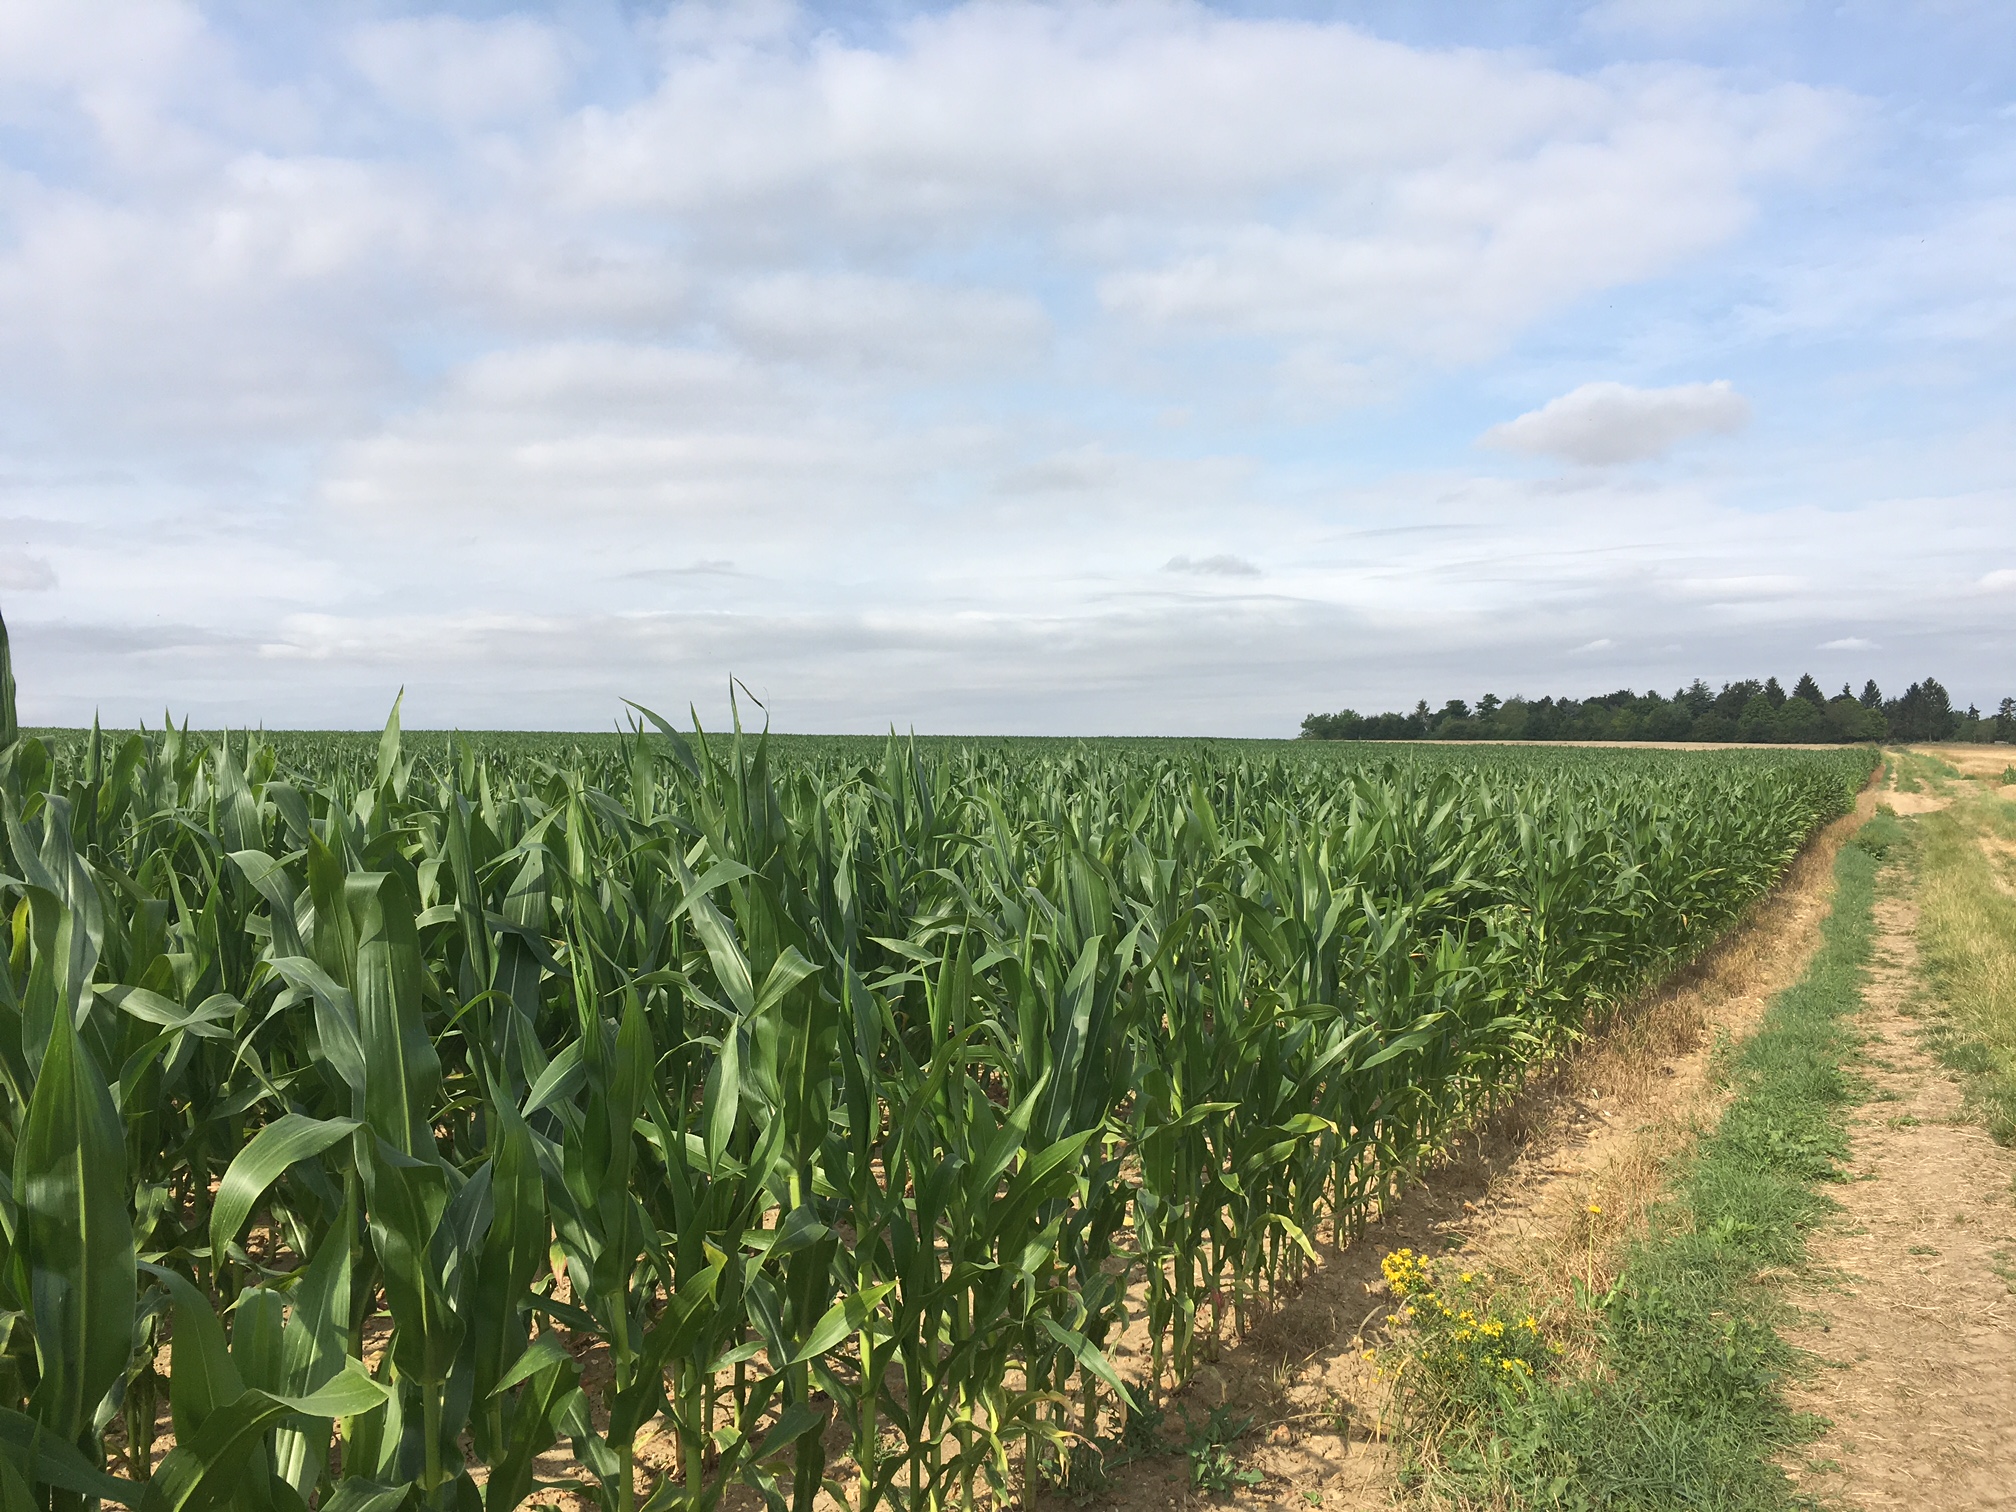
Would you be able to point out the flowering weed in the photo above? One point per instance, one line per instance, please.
(1458, 1353)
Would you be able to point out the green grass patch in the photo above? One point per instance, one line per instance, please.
(1967, 948)
(1686, 1407)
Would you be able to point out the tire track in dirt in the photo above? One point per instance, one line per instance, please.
(1918, 1340)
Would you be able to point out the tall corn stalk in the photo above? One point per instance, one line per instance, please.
(830, 1109)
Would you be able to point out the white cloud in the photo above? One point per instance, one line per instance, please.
(853, 319)
(538, 360)
(1741, 586)
(1602, 424)
(22, 573)
(1848, 643)
(855, 618)
(674, 432)
(2001, 580)
(286, 262)
(464, 72)
(1222, 564)
(1216, 173)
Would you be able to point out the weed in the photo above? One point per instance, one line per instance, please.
(1684, 1407)
(1967, 940)
(1213, 1465)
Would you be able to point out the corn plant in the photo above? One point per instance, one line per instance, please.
(380, 1114)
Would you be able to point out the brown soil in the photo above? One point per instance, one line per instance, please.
(1599, 1131)
(1907, 804)
(1919, 1339)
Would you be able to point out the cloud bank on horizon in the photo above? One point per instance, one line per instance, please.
(1149, 366)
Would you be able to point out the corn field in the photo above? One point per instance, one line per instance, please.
(380, 1121)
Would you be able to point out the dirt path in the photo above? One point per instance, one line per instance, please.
(1601, 1130)
(1920, 1337)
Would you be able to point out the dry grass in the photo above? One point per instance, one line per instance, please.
(1966, 898)
(1641, 1094)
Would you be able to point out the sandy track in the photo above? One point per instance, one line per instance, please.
(1918, 1339)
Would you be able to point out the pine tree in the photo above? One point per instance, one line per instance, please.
(1809, 690)
(1872, 696)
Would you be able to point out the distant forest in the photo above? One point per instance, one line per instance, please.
(1749, 711)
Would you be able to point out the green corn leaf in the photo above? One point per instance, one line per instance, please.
(536, 1422)
(257, 1319)
(16, 1495)
(406, 1200)
(676, 742)
(289, 1138)
(36, 1454)
(209, 1020)
(1089, 1358)
(335, 1018)
(388, 745)
(10, 727)
(512, 1250)
(558, 1082)
(1404, 1044)
(312, 1348)
(202, 1471)
(356, 1494)
(270, 880)
(74, 1234)
(238, 823)
(543, 1353)
(787, 972)
(723, 1099)
(205, 1376)
(844, 1318)
(402, 1071)
(334, 946)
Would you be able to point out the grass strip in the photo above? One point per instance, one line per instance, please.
(1965, 857)
(1685, 1407)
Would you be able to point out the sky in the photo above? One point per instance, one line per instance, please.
(1141, 367)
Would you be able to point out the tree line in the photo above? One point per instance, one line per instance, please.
(1746, 711)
